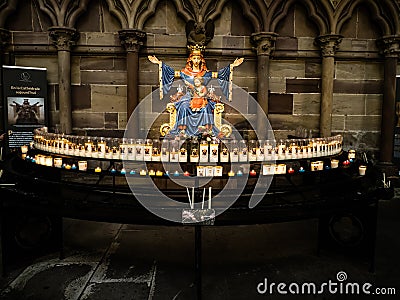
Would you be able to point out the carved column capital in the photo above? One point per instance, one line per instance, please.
(389, 46)
(264, 42)
(328, 43)
(63, 37)
(132, 39)
(5, 38)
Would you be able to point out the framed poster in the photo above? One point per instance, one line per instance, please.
(25, 102)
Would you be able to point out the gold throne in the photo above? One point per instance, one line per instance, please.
(218, 110)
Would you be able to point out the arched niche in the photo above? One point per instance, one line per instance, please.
(28, 17)
(98, 19)
(165, 21)
(361, 25)
(297, 23)
(232, 21)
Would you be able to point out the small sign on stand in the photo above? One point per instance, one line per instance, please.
(198, 216)
(24, 102)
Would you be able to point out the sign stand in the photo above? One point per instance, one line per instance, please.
(24, 102)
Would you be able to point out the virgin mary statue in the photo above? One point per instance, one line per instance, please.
(195, 106)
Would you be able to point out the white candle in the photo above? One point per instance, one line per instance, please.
(217, 171)
(88, 149)
(209, 197)
(214, 151)
(361, 170)
(130, 151)
(334, 163)
(204, 194)
(48, 161)
(102, 149)
(234, 154)
(314, 166)
(58, 162)
(182, 154)
(190, 202)
(209, 171)
(82, 165)
(200, 171)
(204, 152)
(24, 149)
(309, 151)
(192, 206)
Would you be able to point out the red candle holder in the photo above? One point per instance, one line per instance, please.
(253, 173)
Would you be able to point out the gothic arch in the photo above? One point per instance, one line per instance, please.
(146, 9)
(386, 14)
(6, 8)
(183, 10)
(318, 14)
(253, 12)
(134, 14)
(63, 13)
(209, 10)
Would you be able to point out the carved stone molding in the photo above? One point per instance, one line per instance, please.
(389, 46)
(5, 38)
(63, 37)
(132, 39)
(63, 12)
(264, 42)
(328, 43)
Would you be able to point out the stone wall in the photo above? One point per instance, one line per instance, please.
(99, 67)
(358, 84)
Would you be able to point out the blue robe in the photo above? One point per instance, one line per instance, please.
(185, 115)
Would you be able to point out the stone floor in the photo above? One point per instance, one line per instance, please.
(119, 261)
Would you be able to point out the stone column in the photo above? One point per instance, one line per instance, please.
(64, 38)
(390, 49)
(132, 39)
(5, 38)
(265, 44)
(329, 44)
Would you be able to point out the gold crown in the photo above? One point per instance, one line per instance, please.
(196, 49)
